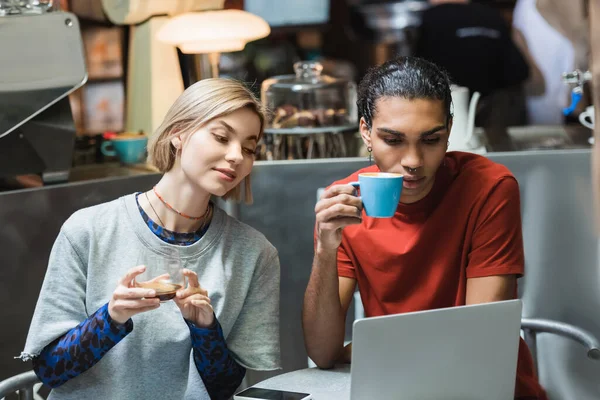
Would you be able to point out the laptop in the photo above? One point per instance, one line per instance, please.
(459, 353)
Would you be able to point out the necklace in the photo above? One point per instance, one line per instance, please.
(155, 213)
(170, 207)
(208, 217)
(206, 220)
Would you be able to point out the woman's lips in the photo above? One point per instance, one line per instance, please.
(225, 174)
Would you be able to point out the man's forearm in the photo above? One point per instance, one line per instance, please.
(322, 314)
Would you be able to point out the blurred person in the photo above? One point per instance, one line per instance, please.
(473, 43)
(553, 36)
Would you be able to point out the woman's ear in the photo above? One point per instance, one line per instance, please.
(176, 141)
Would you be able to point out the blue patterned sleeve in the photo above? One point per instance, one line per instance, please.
(79, 349)
(221, 374)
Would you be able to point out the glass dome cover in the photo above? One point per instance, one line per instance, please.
(19, 7)
(309, 99)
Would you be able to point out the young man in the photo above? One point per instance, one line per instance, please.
(455, 238)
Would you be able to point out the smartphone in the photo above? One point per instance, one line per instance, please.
(269, 394)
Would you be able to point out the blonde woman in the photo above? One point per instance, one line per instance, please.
(96, 335)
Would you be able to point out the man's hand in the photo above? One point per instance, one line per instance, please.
(337, 208)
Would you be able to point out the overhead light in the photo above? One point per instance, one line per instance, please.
(213, 31)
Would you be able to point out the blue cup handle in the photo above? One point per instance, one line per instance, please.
(356, 185)
(106, 151)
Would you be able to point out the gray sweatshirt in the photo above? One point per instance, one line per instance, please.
(97, 245)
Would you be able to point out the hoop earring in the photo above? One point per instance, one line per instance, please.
(370, 149)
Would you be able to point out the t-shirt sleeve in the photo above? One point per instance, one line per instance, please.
(497, 243)
(80, 348)
(344, 263)
(254, 338)
(61, 303)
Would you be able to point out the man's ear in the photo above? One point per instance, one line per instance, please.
(365, 132)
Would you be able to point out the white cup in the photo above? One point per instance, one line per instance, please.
(587, 117)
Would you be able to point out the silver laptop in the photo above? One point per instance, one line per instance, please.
(459, 353)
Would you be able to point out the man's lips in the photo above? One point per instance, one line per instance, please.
(412, 178)
(412, 182)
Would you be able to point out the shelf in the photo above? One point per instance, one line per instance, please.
(312, 130)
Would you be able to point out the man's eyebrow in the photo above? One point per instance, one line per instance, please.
(433, 130)
(401, 134)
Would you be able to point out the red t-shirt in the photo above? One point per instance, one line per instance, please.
(468, 226)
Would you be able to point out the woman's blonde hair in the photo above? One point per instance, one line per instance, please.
(199, 104)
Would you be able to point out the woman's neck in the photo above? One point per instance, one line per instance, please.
(175, 191)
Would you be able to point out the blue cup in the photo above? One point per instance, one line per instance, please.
(380, 192)
(129, 150)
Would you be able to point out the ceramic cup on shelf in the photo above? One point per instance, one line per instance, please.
(587, 117)
(130, 148)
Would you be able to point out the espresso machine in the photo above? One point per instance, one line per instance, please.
(371, 32)
(42, 63)
(390, 26)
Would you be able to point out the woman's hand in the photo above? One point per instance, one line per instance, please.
(194, 303)
(128, 300)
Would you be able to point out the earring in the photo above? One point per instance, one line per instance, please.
(370, 149)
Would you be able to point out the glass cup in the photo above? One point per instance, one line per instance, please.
(164, 274)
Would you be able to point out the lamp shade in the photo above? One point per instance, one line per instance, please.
(213, 31)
